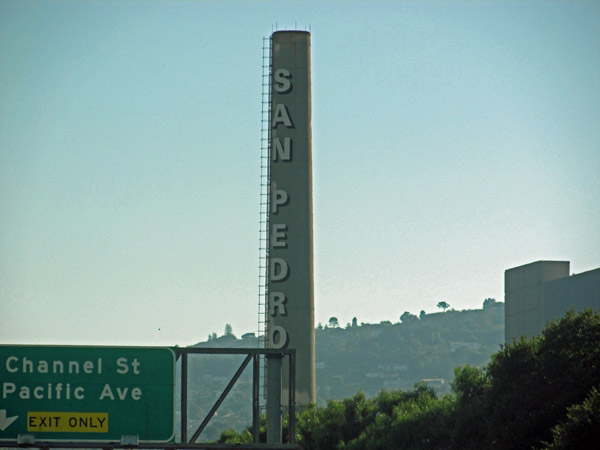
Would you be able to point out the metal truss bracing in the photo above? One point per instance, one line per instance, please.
(252, 356)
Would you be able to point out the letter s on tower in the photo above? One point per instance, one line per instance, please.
(283, 85)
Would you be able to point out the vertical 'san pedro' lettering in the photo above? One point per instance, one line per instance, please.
(290, 311)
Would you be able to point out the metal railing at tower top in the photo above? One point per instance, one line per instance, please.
(252, 355)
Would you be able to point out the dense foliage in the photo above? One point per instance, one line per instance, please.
(541, 393)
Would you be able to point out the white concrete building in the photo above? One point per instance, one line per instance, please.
(542, 291)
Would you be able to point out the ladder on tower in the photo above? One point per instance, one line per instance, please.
(265, 192)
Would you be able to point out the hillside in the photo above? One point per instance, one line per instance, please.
(371, 357)
(365, 357)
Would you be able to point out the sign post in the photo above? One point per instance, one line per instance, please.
(87, 393)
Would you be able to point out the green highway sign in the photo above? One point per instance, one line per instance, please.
(87, 393)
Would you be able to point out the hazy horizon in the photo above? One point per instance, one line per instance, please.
(451, 141)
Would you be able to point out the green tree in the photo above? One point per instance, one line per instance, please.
(488, 302)
(415, 419)
(233, 437)
(534, 381)
(228, 329)
(332, 426)
(581, 430)
(569, 354)
(470, 387)
(407, 317)
(443, 305)
(515, 376)
(333, 322)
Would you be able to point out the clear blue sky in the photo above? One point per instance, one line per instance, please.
(451, 141)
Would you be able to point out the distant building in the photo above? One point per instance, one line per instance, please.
(542, 291)
(434, 382)
(470, 345)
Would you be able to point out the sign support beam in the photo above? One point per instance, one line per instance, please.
(212, 412)
(256, 398)
(274, 433)
(184, 409)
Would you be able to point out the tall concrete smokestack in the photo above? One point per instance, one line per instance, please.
(291, 310)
